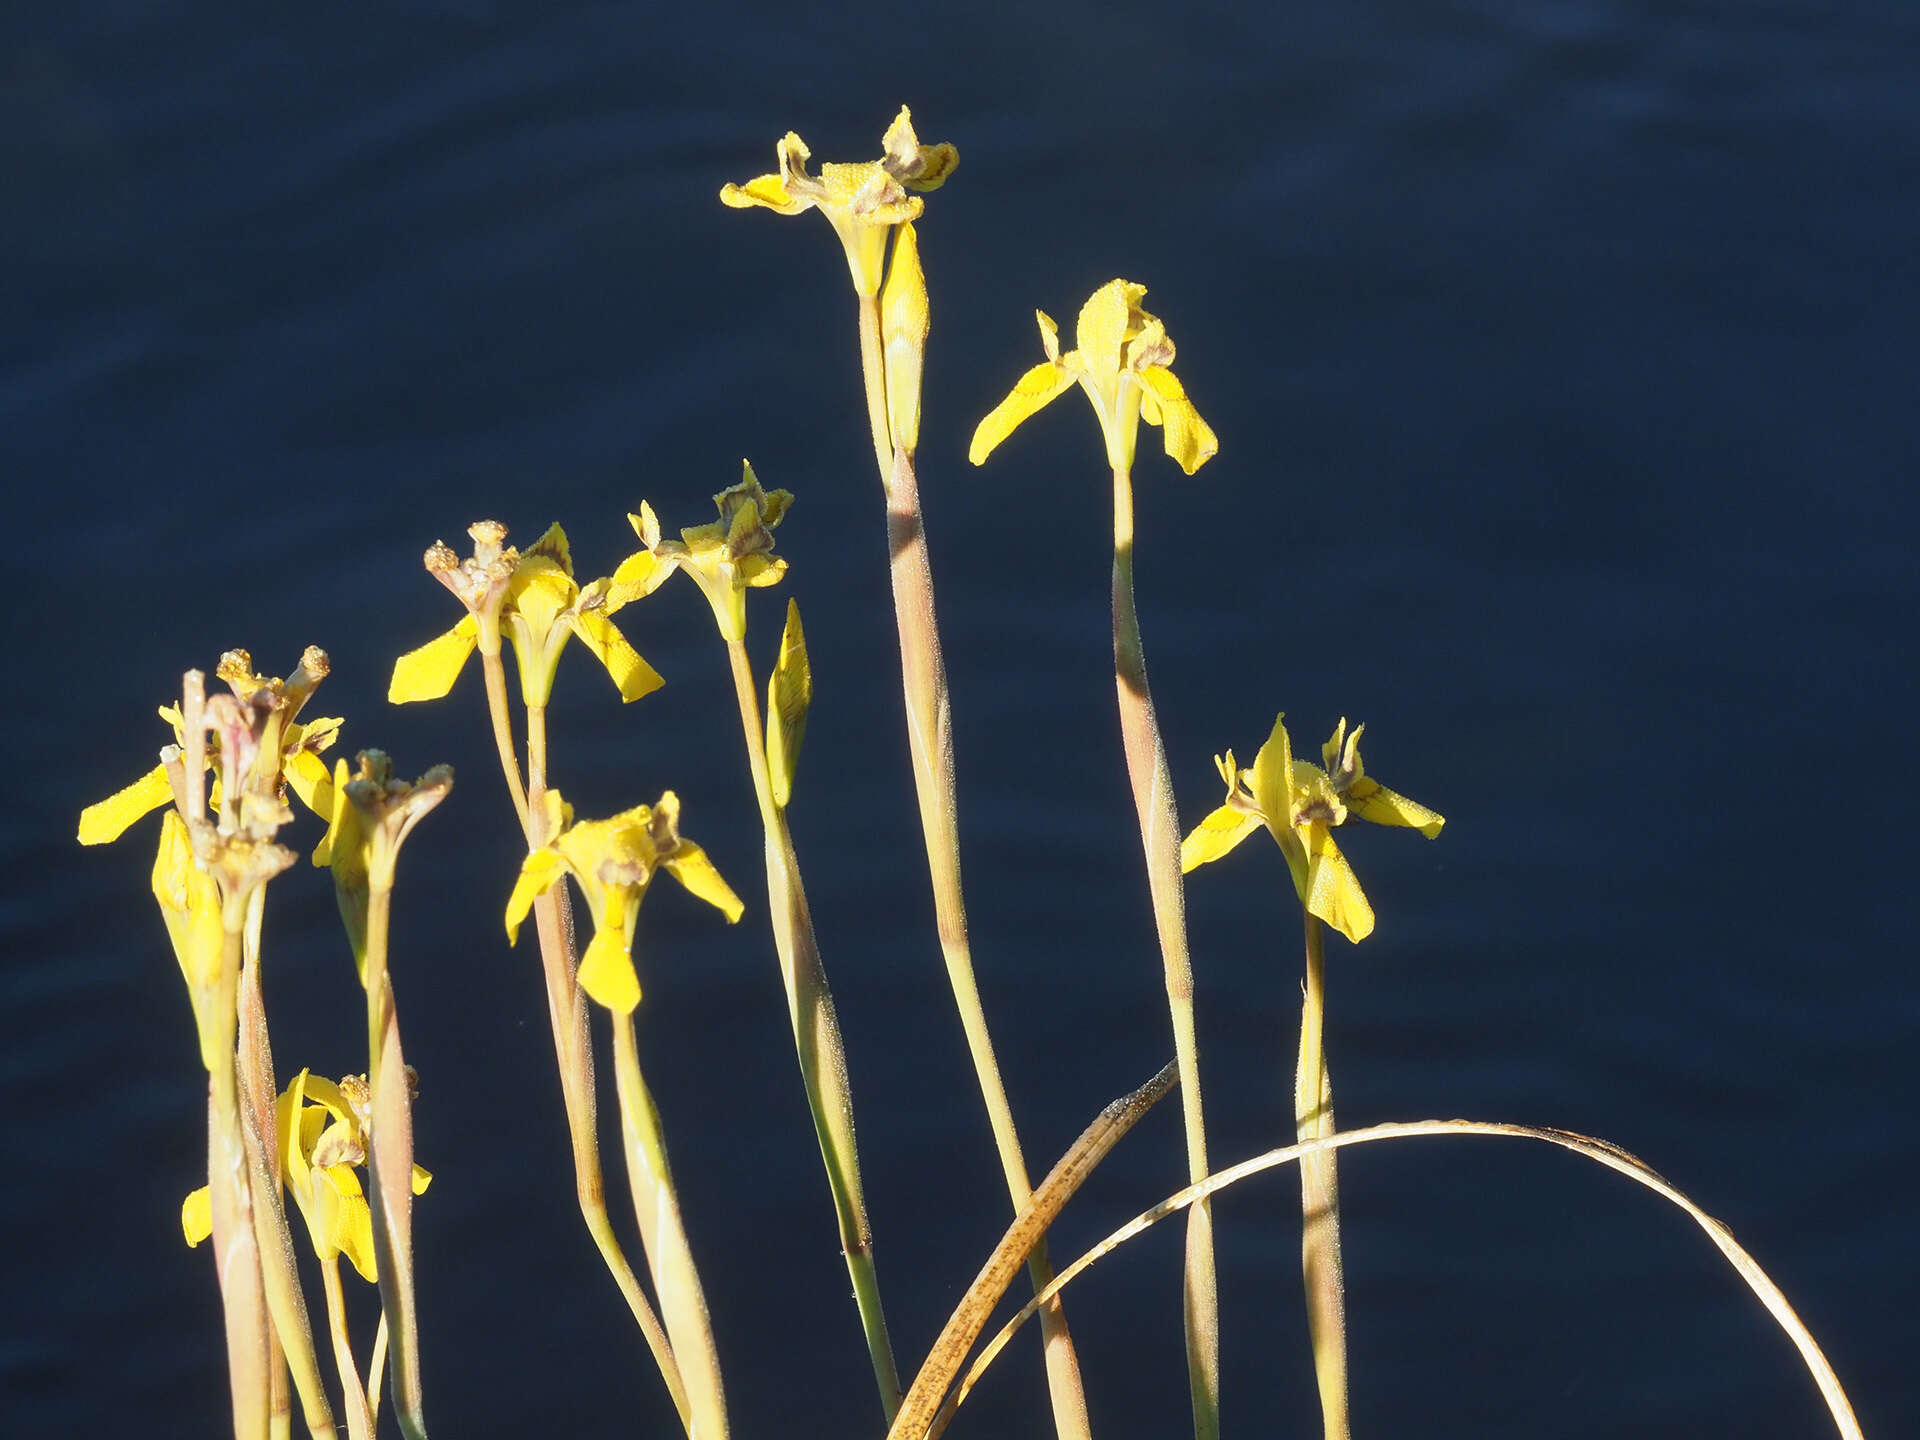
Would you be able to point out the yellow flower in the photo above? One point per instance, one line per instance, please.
(532, 598)
(614, 861)
(300, 747)
(323, 1136)
(1300, 803)
(1121, 364)
(723, 558)
(862, 202)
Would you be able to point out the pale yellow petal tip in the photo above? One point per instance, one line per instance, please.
(196, 1216)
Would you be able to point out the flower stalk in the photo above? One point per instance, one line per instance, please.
(1320, 1265)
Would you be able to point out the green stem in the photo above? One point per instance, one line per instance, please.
(1320, 1197)
(656, 1205)
(1160, 838)
(816, 1036)
(923, 677)
(567, 1016)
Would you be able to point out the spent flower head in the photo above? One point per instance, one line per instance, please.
(1301, 804)
(863, 202)
(373, 813)
(1121, 362)
(724, 558)
(614, 861)
(532, 598)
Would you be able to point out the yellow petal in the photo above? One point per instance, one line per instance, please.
(1049, 335)
(1371, 800)
(108, 819)
(1271, 778)
(690, 866)
(345, 1225)
(1036, 389)
(1333, 892)
(421, 1179)
(1103, 324)
(903, 324)
(606, 971)
(762, 570)
(789, 693)
(429, 672)
(924, 167)
(639, 575)
(632, 674)
(309, 778)
(190, 904)
(538, 874)
(764, 190)
(1189, 439)
(1215, 836)
(196, 1215)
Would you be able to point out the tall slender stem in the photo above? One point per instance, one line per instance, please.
(236, 1251)
(573, 1048)
(923, 678)
(816, 1036)
(1320, 1197)
(359, 1419)
(1160, 838)
(656, 1205)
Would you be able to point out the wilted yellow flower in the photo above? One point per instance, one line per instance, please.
(723, 558)
(323, 1137)
(373, 813)
(1121, 364)
(614, 862)
(863, 202)
(1300, 803)
(300, 765)
(539, 608)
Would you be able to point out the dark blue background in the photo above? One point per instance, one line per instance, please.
(1563, 360)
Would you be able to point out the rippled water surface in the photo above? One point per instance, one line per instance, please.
(1563, 360)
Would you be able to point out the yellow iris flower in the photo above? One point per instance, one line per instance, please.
(724, 558)
(1121, 363)
(539, 609)
(301, 767)
(323, 1136)
(1301, 803)
(862, 202)
(614, 861)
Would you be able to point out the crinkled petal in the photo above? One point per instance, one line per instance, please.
(924, 167)
(764, 190)
(1371, 800)
(539, 872)
(630, 673)
(1102, 327)
(1333, 893)
(429, 672)
(690, 866)
(196, 1215)
(108, 819)
(761, 570)
(1035, 390)
(640, 574)
(607, 973)
(1189, 439)
(1214, 836)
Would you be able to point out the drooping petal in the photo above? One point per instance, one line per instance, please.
(1034, 390)
(762, 570)
(1333, 892)
(196, 1216)
(1103, 325)
(420, 1179)
(1214, 836)
(765, 190)
(429, 672)
(108, 819)
(344, 1224)
(539, 873)
(630, 673)
(640, 574)
(607, 973)
(690, 866)
(789, 693)
(1371, 800)
(1189, 439)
